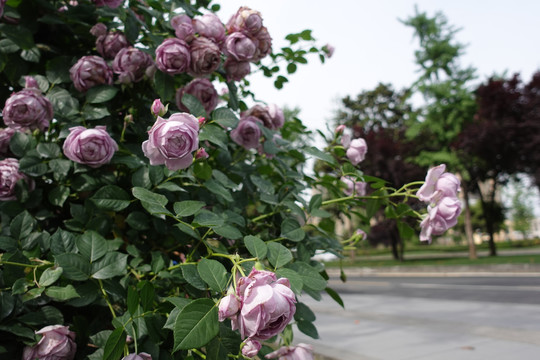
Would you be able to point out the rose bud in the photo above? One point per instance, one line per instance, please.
(171, 141)
(240, 47)
(158, 109)
(57, 343)
(9, 175)
(339, 129)
(438, 183)
(251, 348)
(247, 133)
(245, 20)
(356, 187)
(297, 352)
(236, 70)
(28, 109)
(113, 4)
(140, 356)
(205, 57)
(183, 27)
(173, 56)
(329, 50)
(30, 83)
(203, 90)
(100, 29)
(90, 71)
(209, 26)
(201, 154)
(110, 44)
(130, 64)
(5, 138)
(92, 147)
(357, 151)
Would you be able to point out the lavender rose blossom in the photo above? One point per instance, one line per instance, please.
(172, 141)
(247, 133)
(210, 26)
(357, 151)
(297, 352)
(28, 109)
(440, 218)
(240, 46)
(236, 70)
(131, 64)
(140, 356)
(90, 71)
(110, 44)
(183, 27)
(9, 175)
(205, 57)
(245, 20)
(352, 186)
(5, 138)
(57, 343)
(203, 90)
(92, 147)
(270, 115)
(438, 184)
(173, 56)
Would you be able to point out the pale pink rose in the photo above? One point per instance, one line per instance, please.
(183, 27)
(357, 151)
(90, 71)
(240, 46)
(203, 90)
(28, 109)
(57, 343)
(92, 147)
(251, 348)
(297, 352)
(205, 57)
(172, 141)
(173, 56)
(209, 25)
(247, 133)
(353, 186)
(236, 70)
(440, 218)
(245, 20)
(438, 184)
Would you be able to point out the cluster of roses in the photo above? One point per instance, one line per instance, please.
(440, 193)
(356, 150)
(260, 307)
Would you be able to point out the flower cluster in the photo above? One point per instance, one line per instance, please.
(260, 308)
(248, 133)
(440, 193)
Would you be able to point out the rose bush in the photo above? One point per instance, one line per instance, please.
(130, 218)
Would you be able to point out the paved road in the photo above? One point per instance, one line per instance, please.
(431, 317)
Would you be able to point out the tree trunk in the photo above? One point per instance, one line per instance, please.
(487, 209)
(468, 223)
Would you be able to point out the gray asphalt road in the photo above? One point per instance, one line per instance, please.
(431, 317)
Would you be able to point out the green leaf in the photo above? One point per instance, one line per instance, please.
(192, 276)
(216, 350)
(196, 325)
(92, 245)
(111, 198)
(7, 46)
(278, 255)
(75, 266)
(202, 170)
(194, 105)
(303, 312)
(227, 231)
(62, 242)
(115, 345)
(225, 117)
(290, 229)
(213, 273)
(164, 85)
(91, 112)
(310, 276)
(208, 218)
(256, 246)
(147, 296)
(262, 185)
(31, 55)
(48, 150)
(20, 35)
(152, 202)
(138, 220)
(63, 103)
(101, 94)
(313, 151)
(187, 208)
(141, 178)
(218, 189)
(113, 264)
(405, 230)
(49, 276)
(59, 293)
(58, 195)
(33, 166)
(334, 295)
(215, 134)
(308, 328)
(22, 225)
(60, 168)
(19, 144)
(294, 279)
(58, 70)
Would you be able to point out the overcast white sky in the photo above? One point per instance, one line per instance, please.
(372, 46)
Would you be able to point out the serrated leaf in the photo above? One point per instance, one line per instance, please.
(75, 266)
(164, 85)
(187, 208)
(218, 189)
(194, 105)
(20, 35)
(58, 69)
(290, 229)
(48, 150)
(92, 245)
(33, 166)
(225, 117)
(278, 255)
(213, 273)
(22, 225)
(113, 264)
(294, 279)
(208, 218)
(334, 295)
(63, 103)
(111, 198)
(58, 195)
(308, 328)
(256, 246)
(61, 293)
(101, 94)
(152, 202)
(91, 112)
(19, 144)
(227, 231)
(115, 345)
(49, 276)
(310, 276)
(215, 134)
(313, 151)
(196, 325)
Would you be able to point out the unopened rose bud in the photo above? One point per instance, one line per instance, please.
(339, 129)
(158, 109)
(329, 50)
(201, 154)
(128, 119)
(201, 121)
(30, 83)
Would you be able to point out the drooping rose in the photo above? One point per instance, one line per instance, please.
(173, 56)
(440, 218)
(245, 20)
(357, 151)
(183, 27)
(210, 26)
(353, 186)
(240, 46)
(236, 70)
(113, 4)
(28, 109)
(271, 115)
(131, 64)
(92, 147)
(90, 71)
(203, 90)
(111, 43)
(438, 184)
(5, 137)
(205, 57)
(9, 175)
(265, 306)
(57, 343)
(297, 352)
(247, 133)
(172, 141)
(264, 47)
(140, 356)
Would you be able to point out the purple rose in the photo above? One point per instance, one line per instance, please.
(57, 343)
(264, 46)
(265, 305)
(130, 64)
(209, 26)
(140, 356)
(205, 57)
(251, 348)
(100, 29)
(240, 46)
(203, 90)
(356, 187)
(440, 218)
(357, 151)
(9, 175)
(438, 184)
(245, 20)
(298, 352)
(109, 3)
(28, 109)
(158, 109)
(183, 27)
(271, 115)
(5, 137)
(90, 71)
(247, 133)
(92, 147)
(236, 70)
(111, 43)
(173, 56)
(171, 141)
